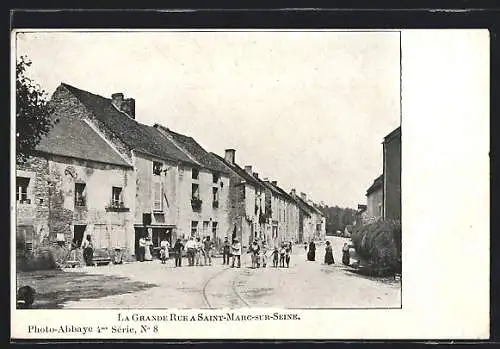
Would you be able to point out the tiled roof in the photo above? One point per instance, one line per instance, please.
(73, 137)
(377, 184)
(194, 149)
(137, 136)
(304, 206)
(395, 133)
(239, 171)
(282, 192)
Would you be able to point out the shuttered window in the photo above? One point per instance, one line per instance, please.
(157, 195)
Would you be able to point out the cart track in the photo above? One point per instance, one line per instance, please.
(233, 289)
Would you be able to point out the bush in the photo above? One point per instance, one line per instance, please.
(40, 259)
(379, 246)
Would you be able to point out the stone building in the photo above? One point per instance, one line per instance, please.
(287, 213)
(392, 175)
(74, 184)
(172, 189)
(248, 214)
(312, 223)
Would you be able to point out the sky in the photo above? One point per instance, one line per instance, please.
(307, 109)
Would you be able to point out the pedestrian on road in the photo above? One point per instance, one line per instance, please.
(207, 249)
(254, 250)
(275, 257)
(226, 251)
(290, 244)
(164, 246)
(148, 255)
(142, 248)
(346, 258)
(236, 253)
(191, 251)
(305, 246)
(88, 250)
(178, 247)
(329, 254)
(282, 255)
(263, 253)
(199, 252)
(311, 255)
(288, 252)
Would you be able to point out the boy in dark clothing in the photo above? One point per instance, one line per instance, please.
(275, 255)
(288, 251)
(178, 247)
(282, 256)
(226, 252)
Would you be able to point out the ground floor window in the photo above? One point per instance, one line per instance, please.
(78, 234)
(194, 228)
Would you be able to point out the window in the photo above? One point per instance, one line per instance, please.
(194, 228)
(214, 231)
(195, 191)
(195, 173)
(157, 168)
(215, 177)
(205, 228)
(116, 198)
(215, 194)
(157, 197)
(78, 234)
(80, 194)
(22, 190)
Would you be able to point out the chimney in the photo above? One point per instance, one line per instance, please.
(248, 169)
(303, 196)
(293, 192)
(117, 100)
(229, 156)
(256, 175)
(274, 183)
(128, 107)
(265, 179)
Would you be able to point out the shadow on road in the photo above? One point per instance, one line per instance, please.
(55, 288)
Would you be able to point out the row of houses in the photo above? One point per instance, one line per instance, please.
(101, 172)
(383, 197)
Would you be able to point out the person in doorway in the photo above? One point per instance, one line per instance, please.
(346, 258)
(178, 247)
(226, 251)
(311, 255)
(207, 251)
(191, 251)
(199, 252)
(275, 255)
(164, 254)
(329, 254)
(88, 250)
(142, 248)
(236, 253)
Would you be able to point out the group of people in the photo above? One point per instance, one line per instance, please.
(311, 253)
(259, 254)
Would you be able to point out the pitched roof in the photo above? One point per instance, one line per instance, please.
(137, 136)
(304, 206)
(377, 184)
(73, 137)
(239, 171)
(194, 149)
(395, 133)
(282, 192)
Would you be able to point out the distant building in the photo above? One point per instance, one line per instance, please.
(392, 175)
(360, 215)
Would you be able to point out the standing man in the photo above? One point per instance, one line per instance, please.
(226, 251)
(236, 252)
(178, 247)
(191, 250)
(88, 250)
(207, 249)
(142, 248)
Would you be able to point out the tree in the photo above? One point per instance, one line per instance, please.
(33, 112)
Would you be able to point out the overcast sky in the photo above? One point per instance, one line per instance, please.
(308, 109)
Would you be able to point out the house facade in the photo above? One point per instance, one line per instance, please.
(74, 184)
(247, 214)
(392, 175)
(374, 199)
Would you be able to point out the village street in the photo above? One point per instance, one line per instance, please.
(154, 285)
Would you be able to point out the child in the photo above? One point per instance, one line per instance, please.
(282, 256)
(263, 252)
(275, 255)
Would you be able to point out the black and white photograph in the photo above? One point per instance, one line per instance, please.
(217, 170)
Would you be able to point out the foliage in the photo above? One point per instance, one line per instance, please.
(337, 218)
(33, 112)
(379, 245)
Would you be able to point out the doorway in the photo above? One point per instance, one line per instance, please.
(78, 234)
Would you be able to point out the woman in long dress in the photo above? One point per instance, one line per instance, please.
(346, 258)
(329, 254)
(311, 255)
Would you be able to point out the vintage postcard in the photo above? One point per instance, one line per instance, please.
(250, 184)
